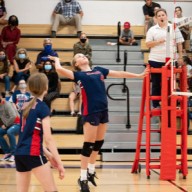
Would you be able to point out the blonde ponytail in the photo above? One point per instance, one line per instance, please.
(29, 105)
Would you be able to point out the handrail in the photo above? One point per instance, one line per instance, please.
(118, 45)
(128, 125)
(125, 89)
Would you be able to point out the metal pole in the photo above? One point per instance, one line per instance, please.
(118, 45)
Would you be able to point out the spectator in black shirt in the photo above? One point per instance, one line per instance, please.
(3, 13)
(148, 11)
(54, 82)
(22, 66)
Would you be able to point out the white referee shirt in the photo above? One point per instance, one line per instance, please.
(158, 52)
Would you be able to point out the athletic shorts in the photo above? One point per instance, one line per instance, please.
(26, 163)
(96, 118)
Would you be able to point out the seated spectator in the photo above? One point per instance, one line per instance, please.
(22, 66)
(67, 12)
(10, 36)
(41, 58)
(10, 126)
(20, 96)
(3, 13)
(4, 72)
(83, 47)
(127, 36)
(148, 11)
(189, 115)
(185, 30)
(54, 82)
(74, 95)
(188, 63)
(153, 20)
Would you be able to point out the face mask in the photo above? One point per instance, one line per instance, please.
(83, 40)
(48, 49)
(2, 57)
(13, 22)
(22, 86)
(22, 56)
(47, 67)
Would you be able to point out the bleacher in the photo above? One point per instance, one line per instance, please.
(63, 125)
(99, 31)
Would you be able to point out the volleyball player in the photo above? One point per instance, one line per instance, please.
(94, 109)
(35, 127)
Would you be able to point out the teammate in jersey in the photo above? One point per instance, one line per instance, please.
(35, 127)
(94, 109)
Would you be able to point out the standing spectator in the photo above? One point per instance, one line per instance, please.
(156, 41)
(42, 56)
(94, 110)
(74, 95)
(35, 131)
(148, 11)
(127, 36)
(83, 47)
(22, 66)
(54, 82)
(20, 96)
(184, 29)
(4, 71)
(9, 125)
(67, 12)
(10, 36)
(3, 13)
(153, 20)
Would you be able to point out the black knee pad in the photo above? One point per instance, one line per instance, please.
(87, 149)
(98, 145)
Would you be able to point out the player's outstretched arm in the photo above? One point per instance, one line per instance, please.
(126, 74)
(64, 72)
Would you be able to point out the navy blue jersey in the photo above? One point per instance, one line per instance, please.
(94, 98)
(31, 133)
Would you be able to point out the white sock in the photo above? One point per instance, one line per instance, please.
(83, 174)
(91, 168)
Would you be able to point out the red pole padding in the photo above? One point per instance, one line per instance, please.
(168, 131)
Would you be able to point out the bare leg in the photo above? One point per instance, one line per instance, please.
(23, 181)
(100, 136)
(80, 103)
(45, 177)
(72, 98)
(90, 134)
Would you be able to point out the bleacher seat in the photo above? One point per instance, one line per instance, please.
(62, 105)
(90, 30)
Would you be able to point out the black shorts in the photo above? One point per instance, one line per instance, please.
(96, 118)
(26, 163)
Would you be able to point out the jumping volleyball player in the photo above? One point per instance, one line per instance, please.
(29, 155)
(95, 110)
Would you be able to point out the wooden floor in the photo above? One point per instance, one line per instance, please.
(113, 177)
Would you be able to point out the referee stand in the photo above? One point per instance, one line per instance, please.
(168, 113)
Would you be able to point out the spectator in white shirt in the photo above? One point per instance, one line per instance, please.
(185, 31)
(156, 41)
